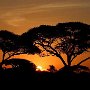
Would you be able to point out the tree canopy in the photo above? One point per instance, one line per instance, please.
(71, 38)
(12, 44)
(8, 43)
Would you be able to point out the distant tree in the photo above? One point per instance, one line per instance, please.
(72, 39)
(52, 69)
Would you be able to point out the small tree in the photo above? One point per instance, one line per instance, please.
(52, 69)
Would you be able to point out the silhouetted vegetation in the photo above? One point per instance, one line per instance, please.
(52, 69)
(8, 41)
(12, 44)
(20, 64)
(71, 38)
(17, 69)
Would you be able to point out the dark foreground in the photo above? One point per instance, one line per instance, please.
(44, 76)
(44, 80)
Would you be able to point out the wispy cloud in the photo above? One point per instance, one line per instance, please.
(19, 16)
(32, 12)
(12, 19)
(15, 21)
(62, 5)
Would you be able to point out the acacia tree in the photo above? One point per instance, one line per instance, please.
(8, 45)
(12, 44)
(70, 38)
(75, 40)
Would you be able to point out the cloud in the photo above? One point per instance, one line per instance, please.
(12, 19)
(18, 16)
(15, 21)
(63, 5)
(31, 12)
(11, 4)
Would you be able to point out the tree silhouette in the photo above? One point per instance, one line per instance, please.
(52, 69)
(27, 45)
(75, 68)
(8, 44)
(70, 38)
(21, 65)
(12, 44)
(18, 69)
(75, 40)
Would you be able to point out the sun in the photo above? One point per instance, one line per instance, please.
(39, 68)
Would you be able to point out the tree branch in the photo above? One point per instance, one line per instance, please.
(73, 58)
(58, 55)
(15, 53)
(3, 56)
(53, 50)
(83, 60)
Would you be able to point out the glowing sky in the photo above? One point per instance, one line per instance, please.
(21, 15)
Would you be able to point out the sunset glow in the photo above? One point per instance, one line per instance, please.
(21, 15)
(40, 68)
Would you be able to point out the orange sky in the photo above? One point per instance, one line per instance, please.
(19, 16)
(51, 60)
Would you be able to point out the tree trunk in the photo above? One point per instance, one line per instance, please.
(69, 60)
(61, 59)
(2, 60)
(3, 56)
